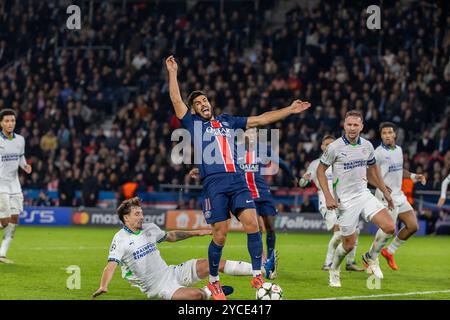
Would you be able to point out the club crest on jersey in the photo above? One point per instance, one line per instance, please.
(225, 132)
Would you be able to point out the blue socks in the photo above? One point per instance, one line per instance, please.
(255, 248)
(214, 255)
(270, 241)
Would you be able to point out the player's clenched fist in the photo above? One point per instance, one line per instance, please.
(171, 64)
(331, 203)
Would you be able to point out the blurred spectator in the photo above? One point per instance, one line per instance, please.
(44, 200)
(307, 206)
(66, 190)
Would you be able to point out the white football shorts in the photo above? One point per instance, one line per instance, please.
(348, 213)
(179, 276)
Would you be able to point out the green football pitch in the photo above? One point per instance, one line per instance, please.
(42, 254)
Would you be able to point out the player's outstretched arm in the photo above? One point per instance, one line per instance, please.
(323, 181)
(177, 235)
(273, 116)
(374, 177)
(108, 273)
(415, 177)
(174, 90)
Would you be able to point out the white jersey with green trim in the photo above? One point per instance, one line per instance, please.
(390, 161)
(12, 155)
(312, 170)
(139, 258)
(349, 166)
(444, 187)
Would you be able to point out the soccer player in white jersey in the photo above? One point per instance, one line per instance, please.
(329, 215)
(389, 157)
(444, 187)
(134, 247)
(12, 155)
(353, 160)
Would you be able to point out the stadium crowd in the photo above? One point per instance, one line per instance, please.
(94, 108)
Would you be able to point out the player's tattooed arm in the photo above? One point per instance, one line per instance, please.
(177, 235)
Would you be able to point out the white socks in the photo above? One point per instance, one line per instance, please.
(207, 292)
(380, 241)
(238, 268)
(213, 279)
(395, 244)
(339, 255)
(334, 242)
(351, 254)
(7, 238)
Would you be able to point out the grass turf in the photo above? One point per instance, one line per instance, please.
(42, 254)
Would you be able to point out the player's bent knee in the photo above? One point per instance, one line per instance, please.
(389, 229)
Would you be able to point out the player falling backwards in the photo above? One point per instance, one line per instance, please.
(224, 187)
(265, 207)
(12, 156)
(329, 215)
(135, 249)
(389, 157)
(353, 160)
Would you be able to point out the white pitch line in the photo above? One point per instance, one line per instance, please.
(385, 295)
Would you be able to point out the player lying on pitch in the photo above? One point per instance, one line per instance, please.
(134, 247)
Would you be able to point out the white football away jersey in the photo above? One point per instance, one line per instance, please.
(444, 187)
(312, 169)
(139, 258)
(12, 155)
(390, 161)
(349, 166)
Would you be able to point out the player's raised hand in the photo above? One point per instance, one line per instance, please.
(99, 292)
(194, 173)
(299, 106)
(171, 64)
(421, 178)
(28, 169)
(331, 203)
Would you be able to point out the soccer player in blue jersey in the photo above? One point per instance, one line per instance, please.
(224, 185)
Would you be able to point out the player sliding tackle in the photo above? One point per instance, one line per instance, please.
(135, 249)
(224, 187)
(389, 157)
(352, 159)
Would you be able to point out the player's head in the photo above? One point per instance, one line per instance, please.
(198, 101)
(8, 120)
(130, 213)
(326, 140)
(353, 124)
(388, 133)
